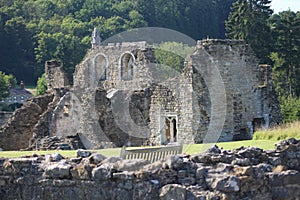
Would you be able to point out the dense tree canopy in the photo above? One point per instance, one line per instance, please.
(248, 20)
(33, 31)
(276, 41)
(286, 54)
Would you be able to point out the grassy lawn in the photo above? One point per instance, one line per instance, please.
(188, 149)
(263, 144)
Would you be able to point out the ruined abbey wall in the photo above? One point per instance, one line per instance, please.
(248, 93)
(119, 98)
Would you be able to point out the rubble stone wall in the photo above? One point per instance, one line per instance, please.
(55, 76)
(17, 133)
(249, 94)
(4, 116)
(244, 173)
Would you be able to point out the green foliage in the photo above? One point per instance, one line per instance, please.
(6, 82)
(42, 85)
(11, 81)
(170, 57)
(290, 109)
(248, 20)
(196, 18)
(33, 31)
(64, 47)
(286, 55)
(172, 54)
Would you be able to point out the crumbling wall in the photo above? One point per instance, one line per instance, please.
(18, 131)
(4, 116)
(100, 75)
(246, 100)
(244, 173)
(120, 98)
(33, 120)
(55, 76)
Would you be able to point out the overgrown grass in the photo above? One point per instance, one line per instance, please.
(187, 149)
(283, 132)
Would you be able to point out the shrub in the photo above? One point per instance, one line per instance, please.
(41, 85)
(290, 109)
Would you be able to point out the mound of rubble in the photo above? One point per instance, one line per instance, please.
(244, 173)
(58, 143)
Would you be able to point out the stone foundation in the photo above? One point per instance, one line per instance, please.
(244, 173)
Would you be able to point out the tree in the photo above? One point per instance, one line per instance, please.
(67, 48)
(170, 57)
(248, 20)
(11, 81)
(41, 85)
(32, 31)
(6, 82)
(286, 55)
(18, 56)
(196, 18)
(290, 109)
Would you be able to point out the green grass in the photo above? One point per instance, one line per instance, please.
(188, 149)
(263, 144)
(30, 86)
(286, 131)
(32, 89)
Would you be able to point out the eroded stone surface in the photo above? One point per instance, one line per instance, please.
(122, 97)
(177, 177)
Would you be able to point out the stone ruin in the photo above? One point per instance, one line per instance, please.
(244, 173)
(118, 98)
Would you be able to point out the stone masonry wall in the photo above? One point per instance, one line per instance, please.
(118, 98)
(4, 116)
(244, 173)
(234, 65)
(17, 133)
(55, 76)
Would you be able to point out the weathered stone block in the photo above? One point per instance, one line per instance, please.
(60, 170)
(130, 165)
(172, 191)
(83, 153)
(102, 173)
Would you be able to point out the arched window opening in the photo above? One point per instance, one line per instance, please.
(101, 67)
(126, 71)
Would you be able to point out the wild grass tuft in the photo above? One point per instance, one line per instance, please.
(283, 132)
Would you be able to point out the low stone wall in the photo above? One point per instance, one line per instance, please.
(244, 173)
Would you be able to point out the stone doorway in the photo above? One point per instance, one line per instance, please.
(170, 133)
(258, 123)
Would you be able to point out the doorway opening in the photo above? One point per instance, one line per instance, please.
(170, 130)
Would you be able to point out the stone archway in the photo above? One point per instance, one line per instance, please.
(126, 66)
(101, 67)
